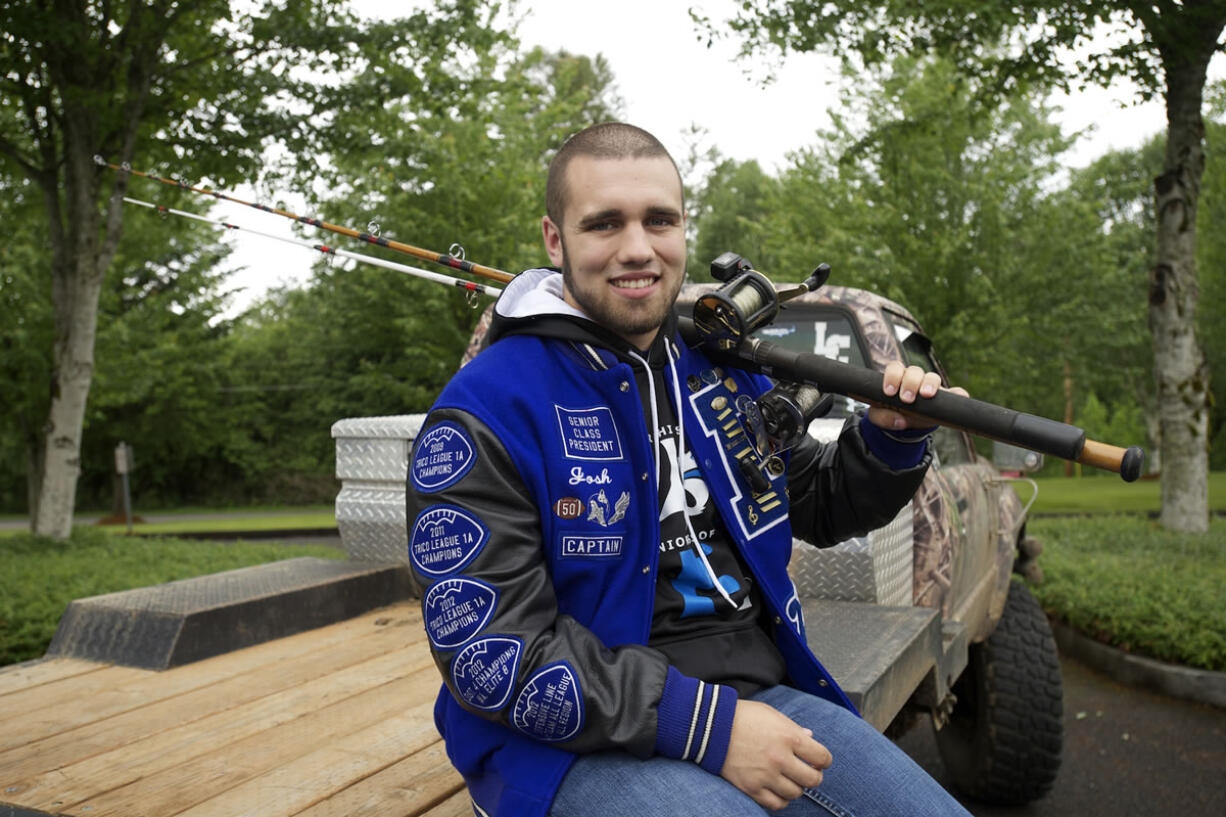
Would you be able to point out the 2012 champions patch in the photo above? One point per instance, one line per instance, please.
(484, 671)
(456, 610)
(589, 433)
(444, 538)
(442, 456)
(550, 706)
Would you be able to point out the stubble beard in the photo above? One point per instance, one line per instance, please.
(624, 322)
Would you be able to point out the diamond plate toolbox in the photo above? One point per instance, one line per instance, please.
(372, 456)
(874, 568)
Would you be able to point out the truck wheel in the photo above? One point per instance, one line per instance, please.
(1003, 739)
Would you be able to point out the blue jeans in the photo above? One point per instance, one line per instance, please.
(870, 776)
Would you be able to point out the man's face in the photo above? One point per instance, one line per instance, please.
(622, 243)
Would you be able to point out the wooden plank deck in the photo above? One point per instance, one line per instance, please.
(334, 722)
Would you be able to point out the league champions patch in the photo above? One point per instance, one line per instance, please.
(484, 672)
(589, 434)
(456, 610)
(444, 538)
(550, 706)
(442, 456)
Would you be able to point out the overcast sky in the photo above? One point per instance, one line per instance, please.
(668, 81)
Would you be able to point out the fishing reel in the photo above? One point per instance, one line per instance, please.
(726, 317)
(746, 302)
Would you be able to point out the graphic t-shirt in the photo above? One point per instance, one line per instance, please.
(693, 624)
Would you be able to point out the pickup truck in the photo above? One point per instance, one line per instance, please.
(925, 618)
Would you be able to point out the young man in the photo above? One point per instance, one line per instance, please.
(606, 598)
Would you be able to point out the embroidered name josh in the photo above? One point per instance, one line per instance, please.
(577, 477)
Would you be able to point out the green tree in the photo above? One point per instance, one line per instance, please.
(217, 83)
(1211, 260)
(1118, 185)
(1165, 48)
(361, 341)
(731, 211)
(473, 172)
(161, 349)
(25, 339)
(957, 212)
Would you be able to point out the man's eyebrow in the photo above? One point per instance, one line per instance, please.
(603, 215)
(615, 213)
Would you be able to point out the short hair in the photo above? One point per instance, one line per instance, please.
(608, 140)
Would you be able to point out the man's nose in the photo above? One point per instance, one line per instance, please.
(635, 247)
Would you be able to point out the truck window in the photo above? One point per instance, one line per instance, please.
(952, 446)
(825, 331)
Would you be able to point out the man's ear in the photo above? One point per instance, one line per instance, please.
(553, 240)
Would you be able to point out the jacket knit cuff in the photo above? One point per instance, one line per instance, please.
(695, 720)
(897, 449)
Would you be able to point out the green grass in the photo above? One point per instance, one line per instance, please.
(1131, 584)
(238, 522)
(305, 518)
(1109, 494)
(39, 576)
(1121, 579)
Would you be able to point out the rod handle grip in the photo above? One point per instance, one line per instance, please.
(1124, 461)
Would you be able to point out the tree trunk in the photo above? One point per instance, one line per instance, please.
(77, 270)
(1180, 371)
(34, 477)
(76, 325)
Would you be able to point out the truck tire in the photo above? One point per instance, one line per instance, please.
(1003, 740)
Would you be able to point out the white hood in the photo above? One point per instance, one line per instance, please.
(534, 293)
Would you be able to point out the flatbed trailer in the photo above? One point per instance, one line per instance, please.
(334, 721)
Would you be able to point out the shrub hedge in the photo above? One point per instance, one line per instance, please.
(1127, 582)
(39, 576)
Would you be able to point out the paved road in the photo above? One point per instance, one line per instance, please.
(1127, 753)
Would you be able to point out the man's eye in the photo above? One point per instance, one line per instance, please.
(661, 221)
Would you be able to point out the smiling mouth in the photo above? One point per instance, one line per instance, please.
(634, 283)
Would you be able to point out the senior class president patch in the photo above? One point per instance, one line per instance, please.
(589, 433)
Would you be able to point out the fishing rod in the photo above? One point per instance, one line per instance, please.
(445, 259)
(471, 287)
(725, 318)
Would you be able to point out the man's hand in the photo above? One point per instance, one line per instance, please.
(771, 757)
(909, 383)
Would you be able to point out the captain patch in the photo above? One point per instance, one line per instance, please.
(456, 610)
(573, 546)
(589, 434)
(443, 455)
(444, 539)
(550, 707)
(484, 671)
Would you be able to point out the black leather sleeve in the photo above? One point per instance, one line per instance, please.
(621, 687)
(840, 489)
